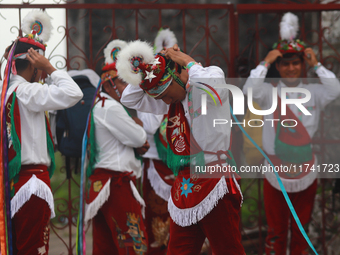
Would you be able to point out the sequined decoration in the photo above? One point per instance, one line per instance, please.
(114, 53)
(37, 26)
(135, 61)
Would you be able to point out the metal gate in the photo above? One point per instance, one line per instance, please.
(234, 37)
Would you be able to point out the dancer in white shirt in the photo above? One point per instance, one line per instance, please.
(199, 207)
(290, 146)
(114, 203)
(31, 149)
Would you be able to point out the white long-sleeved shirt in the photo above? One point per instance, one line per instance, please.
(33, 100)
(321, 95)
(116, 135)
(208, 137)
(151, 123)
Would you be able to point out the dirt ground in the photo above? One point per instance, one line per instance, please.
(58, 247)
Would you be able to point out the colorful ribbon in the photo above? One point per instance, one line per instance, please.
(81, 240)
(5, 211)
(291, 207)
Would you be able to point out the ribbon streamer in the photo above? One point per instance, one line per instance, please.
(5, 199)
(81, 240)
(291, 207)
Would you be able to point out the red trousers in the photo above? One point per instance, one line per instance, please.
(220, 226)
(30, 228)
(278, 216)
(118, 227)
(157, 218)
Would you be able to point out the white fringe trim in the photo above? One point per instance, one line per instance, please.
(34, 186)
(92, 208)
(292, 185)
(189, 216)
(138, 197)
(161, 188)
(239, 189)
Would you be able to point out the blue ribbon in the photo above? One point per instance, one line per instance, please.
(291, 207)
(79, 248)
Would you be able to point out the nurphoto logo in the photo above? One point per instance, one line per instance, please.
(238, 105)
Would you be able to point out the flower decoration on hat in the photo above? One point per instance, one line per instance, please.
(165, 39)
(289, 27)
(37, 26)
(138, 66)
(110, 54)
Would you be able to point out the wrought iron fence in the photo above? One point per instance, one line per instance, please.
(234, 37)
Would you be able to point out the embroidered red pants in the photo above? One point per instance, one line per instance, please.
(220, 226)
(278, 215)
(118, 227)
(31, 222)
(30, 228)
(157, 218)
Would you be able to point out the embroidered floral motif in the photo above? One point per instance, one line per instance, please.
(177, 188)
(177, 135)
(180, 144)
(160, 230)
(139, 243)
(46, 234)
(197, 188)
(194, 185)
(136, 240)
(97, 186)
(175, 120)
(186, 187)
(42, 250)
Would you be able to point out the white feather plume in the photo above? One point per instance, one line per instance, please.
(165, 38)
(124, 58)
(289, 26)
(43, 18)
(113, 44)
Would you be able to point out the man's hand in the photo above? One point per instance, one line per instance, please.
(39, 61)
(272, 56)
(310, 57)
(142, 150)
(176, 47)
(177, 56)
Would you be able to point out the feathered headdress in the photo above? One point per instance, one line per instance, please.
(37, 26)
(110, 55)
(138, 66)
(165, 39)
(289, 27)
(111, 51)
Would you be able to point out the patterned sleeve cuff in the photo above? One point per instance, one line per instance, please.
(191, 64)
(265, 64)
(316, 67)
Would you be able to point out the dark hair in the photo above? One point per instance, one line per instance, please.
(290, 56)
(22, 64)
